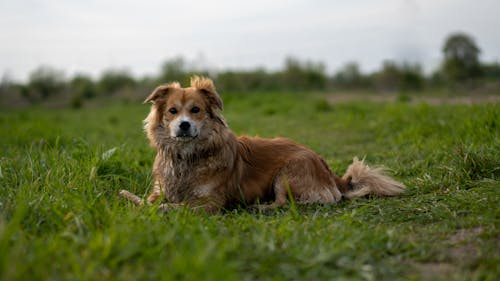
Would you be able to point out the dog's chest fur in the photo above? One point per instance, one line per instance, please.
(188, 173)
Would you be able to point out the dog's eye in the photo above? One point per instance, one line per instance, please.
(172, 110)
(195, 109)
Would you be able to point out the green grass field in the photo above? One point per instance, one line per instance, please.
(61, 218)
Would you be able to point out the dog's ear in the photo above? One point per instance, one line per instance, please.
(161, 92)
(206, 86)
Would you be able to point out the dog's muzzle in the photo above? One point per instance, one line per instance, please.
(185, 130)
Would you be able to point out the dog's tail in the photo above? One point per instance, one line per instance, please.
(363, 180)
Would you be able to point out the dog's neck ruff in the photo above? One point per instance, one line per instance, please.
(189, 152)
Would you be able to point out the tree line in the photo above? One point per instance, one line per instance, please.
(460, 68)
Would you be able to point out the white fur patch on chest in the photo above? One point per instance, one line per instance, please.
(204, 190)
(168, 170)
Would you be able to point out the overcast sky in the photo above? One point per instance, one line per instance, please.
(91, 36)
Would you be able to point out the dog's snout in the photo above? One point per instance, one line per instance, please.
(185, 125)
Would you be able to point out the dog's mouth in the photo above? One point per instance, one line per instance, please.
(185, 137)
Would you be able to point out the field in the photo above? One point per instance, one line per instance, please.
(61, 218)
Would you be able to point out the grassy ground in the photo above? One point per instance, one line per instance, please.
(61, 218)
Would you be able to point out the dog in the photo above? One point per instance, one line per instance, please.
(202, 164)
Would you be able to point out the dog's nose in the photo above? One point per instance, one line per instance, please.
(185, 126)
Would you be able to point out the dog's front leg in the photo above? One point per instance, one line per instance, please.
(131, 197)
(155, 194)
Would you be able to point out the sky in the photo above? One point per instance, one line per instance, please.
(93, 36)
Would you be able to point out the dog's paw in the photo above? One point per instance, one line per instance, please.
(265, 209)
(131, 197)
(167, 207)
(124, 193)
(164, 208)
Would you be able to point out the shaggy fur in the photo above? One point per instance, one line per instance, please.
(201, 163)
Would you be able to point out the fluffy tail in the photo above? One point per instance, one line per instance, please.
(364, 180)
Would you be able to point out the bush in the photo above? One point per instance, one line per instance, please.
(394, 77)
(44, 82)
(83, 86)
(113, 81)
(350, 77)
(308, 75)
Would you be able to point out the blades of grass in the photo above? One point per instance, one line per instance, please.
(8, 229)
(291, 199)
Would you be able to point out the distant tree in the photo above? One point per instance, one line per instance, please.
(44, 82)
(491, 70)
(461, 58)
(5, 84)
(6, 88)
(399, 77)
(248, 80)
(83, 86)
(350, 76)
(145, 86)
(174, 70)
(388, 78)
(113, 81)
(411, 77)
(298, 75)
(178, 69)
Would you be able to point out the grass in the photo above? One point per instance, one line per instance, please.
(61, 218)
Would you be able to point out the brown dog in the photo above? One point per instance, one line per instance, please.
(201, 163)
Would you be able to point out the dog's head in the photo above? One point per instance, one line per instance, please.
(183, 114)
